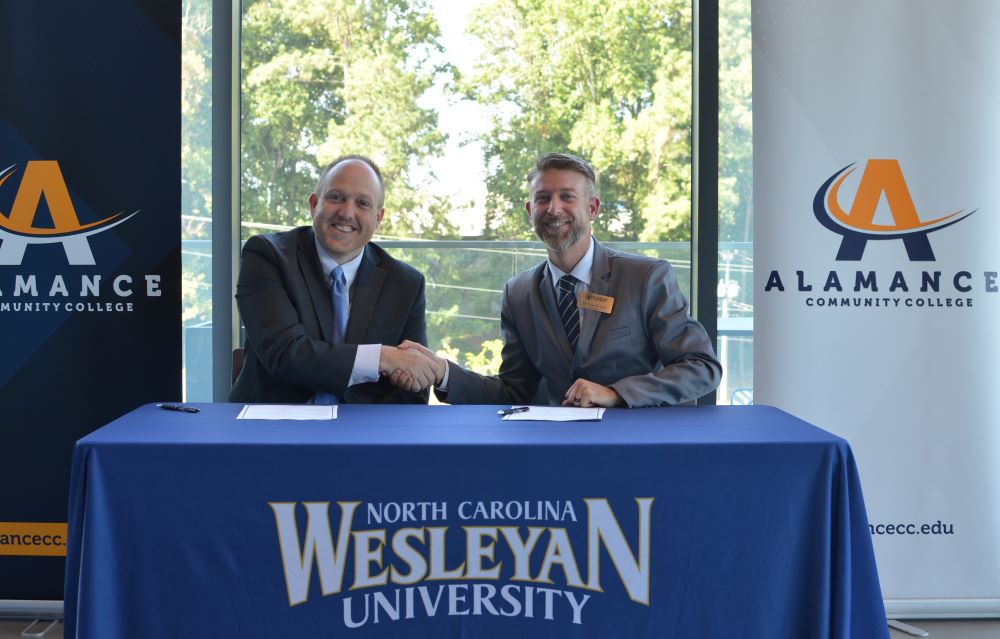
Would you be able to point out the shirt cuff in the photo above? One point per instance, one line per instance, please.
(443, 386)
(365, 364)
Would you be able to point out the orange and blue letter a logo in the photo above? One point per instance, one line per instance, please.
(880, 178)
(43, 178)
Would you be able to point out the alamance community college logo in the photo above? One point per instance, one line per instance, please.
(18, 231)
(882, 180)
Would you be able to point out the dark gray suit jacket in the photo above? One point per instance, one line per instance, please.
(284, 302)
(648, 349)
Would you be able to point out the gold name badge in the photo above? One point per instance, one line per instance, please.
(595, 302)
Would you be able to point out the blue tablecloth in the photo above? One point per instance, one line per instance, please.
(429, 521)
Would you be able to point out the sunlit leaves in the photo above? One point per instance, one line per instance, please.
(607, 79)
(324, 78)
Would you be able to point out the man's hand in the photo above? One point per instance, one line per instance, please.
(407, 368)
(438, 364)
(585, 394)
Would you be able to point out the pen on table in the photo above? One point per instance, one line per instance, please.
(512, 410)
(179, 408)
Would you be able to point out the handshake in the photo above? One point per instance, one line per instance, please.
(411, 366)
(414, 368)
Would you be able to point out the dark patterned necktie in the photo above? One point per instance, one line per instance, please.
(568, 312)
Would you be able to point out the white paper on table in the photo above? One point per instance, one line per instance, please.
(287, 411)
(556, 414)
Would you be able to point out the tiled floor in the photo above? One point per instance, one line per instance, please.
(985, 629)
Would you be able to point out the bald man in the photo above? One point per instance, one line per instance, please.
(324, 307)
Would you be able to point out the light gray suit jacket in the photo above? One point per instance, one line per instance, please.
(648, 349)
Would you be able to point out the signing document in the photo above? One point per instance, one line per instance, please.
(287, 411)
(553, 414)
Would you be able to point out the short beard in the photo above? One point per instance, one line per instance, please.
(560, 244)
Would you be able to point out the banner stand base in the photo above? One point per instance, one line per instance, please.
(907, 628)
(942, 608)
(37, 635)
(31, 609)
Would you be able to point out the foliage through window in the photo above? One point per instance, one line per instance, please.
(455, 101)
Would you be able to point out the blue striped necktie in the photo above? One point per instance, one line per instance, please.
(568, 312)
(341, 306)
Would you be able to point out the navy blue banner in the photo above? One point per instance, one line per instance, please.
(89, 250)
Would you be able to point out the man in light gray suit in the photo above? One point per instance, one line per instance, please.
(601, 327)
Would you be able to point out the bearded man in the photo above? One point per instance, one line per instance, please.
(600, 327)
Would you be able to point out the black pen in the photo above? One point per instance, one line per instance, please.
(512, 410)
(179, 408)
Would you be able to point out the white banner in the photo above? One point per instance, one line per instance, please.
(877, 311)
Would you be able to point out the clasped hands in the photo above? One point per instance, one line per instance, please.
(414, 367)
(411, 366)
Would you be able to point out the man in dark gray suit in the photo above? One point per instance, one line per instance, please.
(601, 327)
(295, 350)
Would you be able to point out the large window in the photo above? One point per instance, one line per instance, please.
(455, 101)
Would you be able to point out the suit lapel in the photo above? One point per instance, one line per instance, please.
(315, 281)
(546, 290)
(367, 286)
(600, 276)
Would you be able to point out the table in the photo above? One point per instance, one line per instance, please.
(443, 521)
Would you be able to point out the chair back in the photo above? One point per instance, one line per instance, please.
(238, 355)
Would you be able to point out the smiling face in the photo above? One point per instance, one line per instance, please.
(561, 208)
(347, 209)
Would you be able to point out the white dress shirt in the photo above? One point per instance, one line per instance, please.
(582, 274)
(366, 361)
